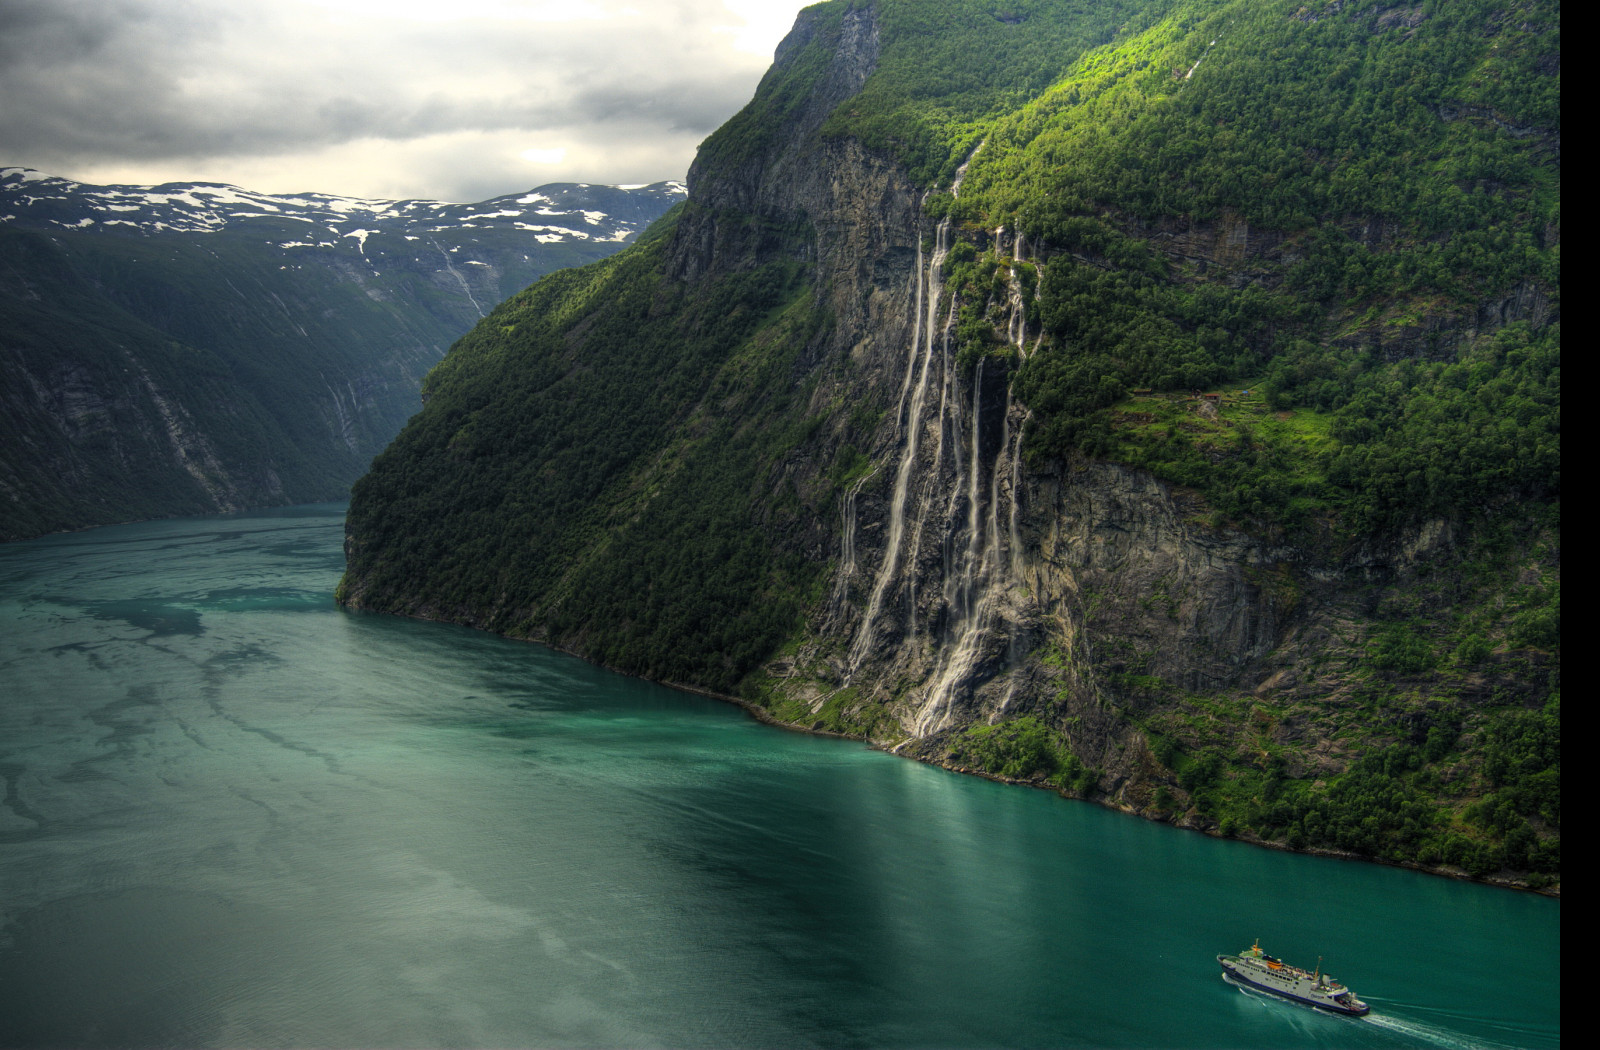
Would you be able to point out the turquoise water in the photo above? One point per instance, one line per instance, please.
(236, 815)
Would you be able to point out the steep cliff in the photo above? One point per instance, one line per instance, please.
(895, 431)
(185, 349)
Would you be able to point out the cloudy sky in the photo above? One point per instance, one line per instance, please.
(457, 100)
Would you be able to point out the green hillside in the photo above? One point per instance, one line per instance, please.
(186, 350)
(695, 461)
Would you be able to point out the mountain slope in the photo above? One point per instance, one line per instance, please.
(190, 348)
(1156, 400)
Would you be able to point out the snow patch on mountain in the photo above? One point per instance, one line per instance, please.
(554, 213)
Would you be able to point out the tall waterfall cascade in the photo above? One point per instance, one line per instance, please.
(948, 588)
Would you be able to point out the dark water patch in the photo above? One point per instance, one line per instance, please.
(298, 551)
(12, 773)
(126, 720)
(90, 650)
(161, 619)
(329, 761)
(263, 599)
(239, 660)
(84, 771)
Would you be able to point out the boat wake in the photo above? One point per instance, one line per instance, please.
(1434, 1034)
(1426, 1034)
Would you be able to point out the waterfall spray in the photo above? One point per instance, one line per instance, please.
(922, 350)
(966, 492)
(847, 543)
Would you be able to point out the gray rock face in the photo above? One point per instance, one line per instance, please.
(969, 589)
(192, 348)
(780, 433)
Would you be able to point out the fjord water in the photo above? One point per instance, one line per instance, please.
(235, 815)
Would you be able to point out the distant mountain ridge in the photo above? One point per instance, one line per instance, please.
(554, 213)
(194, 346)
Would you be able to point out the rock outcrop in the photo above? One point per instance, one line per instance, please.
(193, 349)
(1115, 632)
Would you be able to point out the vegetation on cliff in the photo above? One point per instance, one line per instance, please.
(181, 352)
(589, 461)
(1342, 218)
(141, 383)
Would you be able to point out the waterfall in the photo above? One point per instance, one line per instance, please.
(916, 341)
(949, 422)
(1018, 331)
(847, 543)
(922, 352)
(976, 587)
(956, 483)
(925, 336)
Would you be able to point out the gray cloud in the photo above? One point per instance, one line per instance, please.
(387, 96)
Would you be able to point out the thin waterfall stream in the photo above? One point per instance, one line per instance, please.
(957, 480)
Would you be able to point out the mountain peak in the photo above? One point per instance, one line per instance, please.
(553, 213)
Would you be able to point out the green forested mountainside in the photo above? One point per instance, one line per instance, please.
(1340, 218)
(204, 348)
(117, 354)
(578, 456)
(947, 70)
(1404, 163)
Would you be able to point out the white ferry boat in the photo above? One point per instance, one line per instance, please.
(1260, 970)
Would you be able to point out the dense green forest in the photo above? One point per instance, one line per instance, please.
(571, 456)
(1341, 219)
(1403, 161)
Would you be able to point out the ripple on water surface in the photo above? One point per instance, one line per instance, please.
(237, 815)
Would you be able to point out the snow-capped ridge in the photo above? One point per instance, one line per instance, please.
(554, 213)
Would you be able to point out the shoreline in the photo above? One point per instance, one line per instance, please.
(762, 715)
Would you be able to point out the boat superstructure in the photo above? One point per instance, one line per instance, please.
(1257, 969)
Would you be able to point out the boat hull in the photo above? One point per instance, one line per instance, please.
(1238, 973)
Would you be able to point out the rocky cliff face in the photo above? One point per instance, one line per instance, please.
(188, 349)
(1061, 619)
(968, 587)
(957, 592)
